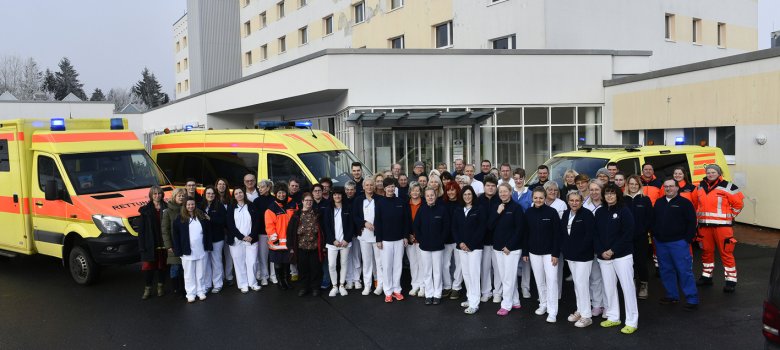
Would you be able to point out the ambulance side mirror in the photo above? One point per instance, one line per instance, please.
(51, 193)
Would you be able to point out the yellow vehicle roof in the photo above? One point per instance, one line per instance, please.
(286, 140)
(644, 151)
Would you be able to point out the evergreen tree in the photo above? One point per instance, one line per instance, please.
(49, 82)
(97, 95)
(149, 90)
(68, 81)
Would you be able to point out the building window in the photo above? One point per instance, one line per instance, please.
(631, 137)
(186, 64)
(263, 20)
(184, 42)
(301, 3)
(507, 42)
(178, 47)
(655, 137)
(444, 34)
(394, 4)
(696, 30)
(327, 22)
(726, 140)
(360, 12)
(178, 67)
(669, 26)
(264, 52)
(244, 3)
(247, 58)
(178, 88)
(694, 136)
(247, 28)
(187, 85)
(397, 42)
(282, 44)
(303, 34)
(721, 34)
(280, 9)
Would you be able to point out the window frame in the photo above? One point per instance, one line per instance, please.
(263, 19)
(669, 27)
(282, 43)
(392, 40)
(450, 36)
(361, 6)
(264, 52)
(303, 35)
(248, 58)
(247, 28)
(696, 31)
(280, 10)
(400, 4)
(511, 42)
(327, 24)
(721, 35)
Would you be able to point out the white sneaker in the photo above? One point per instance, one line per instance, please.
(541, 311)
(378, 290)
(464, 304)
(202, 296)
(526, 293)
(485, 298)
(343, 291)
(496, 299)
(583, 322)
(550, 319)
(333, 292)
(244, 290)
(358, 285)
(349, 285)
(274, 280)
(413, 292)
(190, 300)
(264, 282)
(216, 290)
(421, 292)
(256, 288)
(574, 317)
(470, 311)
(366, 291)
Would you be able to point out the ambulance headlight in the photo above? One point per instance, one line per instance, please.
(109, 224)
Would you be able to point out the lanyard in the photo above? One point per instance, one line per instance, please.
(336, 212)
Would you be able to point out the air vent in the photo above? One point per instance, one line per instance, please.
(108, 196)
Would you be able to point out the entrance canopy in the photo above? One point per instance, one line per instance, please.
(411, 118)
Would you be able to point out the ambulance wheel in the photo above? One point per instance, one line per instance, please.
(83, 269)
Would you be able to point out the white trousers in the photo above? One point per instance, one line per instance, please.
(596, 286)
(580, 273)
(507, 269)
(471, 265)
(294, 269)
(546, 277)
(372, 263)
(335, 256)
(489, 263)
(194, 270)
(353, 262)
(228, 262)
(392, 263)
(430, 263)
(262, 269)
(612, 271)
(524, 271)
(452, 279)
(213, 277)
(244, 259)
(413, 254)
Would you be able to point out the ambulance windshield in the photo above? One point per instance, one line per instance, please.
(336, 165)
(559, 165)
(111, 171)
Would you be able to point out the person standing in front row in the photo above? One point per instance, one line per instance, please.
(614, 245)
(365, 211)
(339, 229)
(673, 231)
(413, 249)
(431, 224)
(261, 203)
(509, 229)
(489, 201)
(191, 242)
(167, 220)
(150, 242)
(306, 243)
(543, 249)
(392, 236)
(577, 248)
(218, 221)
(354, 270)
(469, 222)
(243, 230)
(277, 219)
(642, 210)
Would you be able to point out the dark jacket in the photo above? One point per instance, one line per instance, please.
(489, 206)
(233, 233)
(181, 237)
(676, 220)
(614, 230)
(451, 208)
(217, 219)
(509, 227)
(481, 176)
(642, 210)
(469, 228)
(431, 225)
(150, 233)
(329, 223)
(544, 231)
(566, 190)
(403, 192)
(392, 221)
(261, 204)
(292, 237)
(578, 245)
(535, 185)
(197, 197)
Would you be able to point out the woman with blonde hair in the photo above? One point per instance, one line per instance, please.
(568, 183)
(642, 209)
(434, 182)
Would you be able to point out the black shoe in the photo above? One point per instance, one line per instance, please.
(446, 293)
(436, 301)
(230, 283)
(303, 292)
(690, 307)
(428, 301)
(667, 301)
(455, 295)
(704, 281)
(315, 292)
(730, 287)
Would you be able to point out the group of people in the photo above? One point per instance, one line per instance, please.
(458, 229)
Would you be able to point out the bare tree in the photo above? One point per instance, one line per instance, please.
(32, 81)
(122, 97)
(11, 75)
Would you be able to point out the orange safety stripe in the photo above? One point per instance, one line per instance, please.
(704, 161)
(85, 137)
(7, 136)
(297, 137)
(50, 208)
(700, 171)
(219, 145)
(7, 205)
(329, 138)
(702, 155)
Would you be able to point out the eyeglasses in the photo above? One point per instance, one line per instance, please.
(308, 200)
(669, 186)
(610, 194)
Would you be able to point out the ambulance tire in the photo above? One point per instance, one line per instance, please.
(83, 269)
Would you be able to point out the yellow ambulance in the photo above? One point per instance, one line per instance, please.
(276, 150)
(630, 158)
(71, 189)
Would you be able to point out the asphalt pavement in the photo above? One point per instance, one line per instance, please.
(41, 307)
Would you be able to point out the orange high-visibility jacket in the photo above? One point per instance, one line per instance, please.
(718, 204)
(689, 192)
(652, 188)
(277, 218)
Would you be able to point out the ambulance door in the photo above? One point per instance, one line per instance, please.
(13, 209)
(49, 215)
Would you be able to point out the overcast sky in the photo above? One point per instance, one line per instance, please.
(110, 42)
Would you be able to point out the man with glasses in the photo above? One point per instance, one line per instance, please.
(250, 187)
(192, 190)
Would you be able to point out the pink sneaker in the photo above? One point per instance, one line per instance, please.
(502, 312)
(597, 311)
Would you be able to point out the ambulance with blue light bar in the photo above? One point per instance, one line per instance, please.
(275, 150)
(71, 189)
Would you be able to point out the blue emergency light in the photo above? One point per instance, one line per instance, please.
(679, 140)
(270, 125)
(188, 127)
(117, 124)
(57, 124)
(303, 124)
